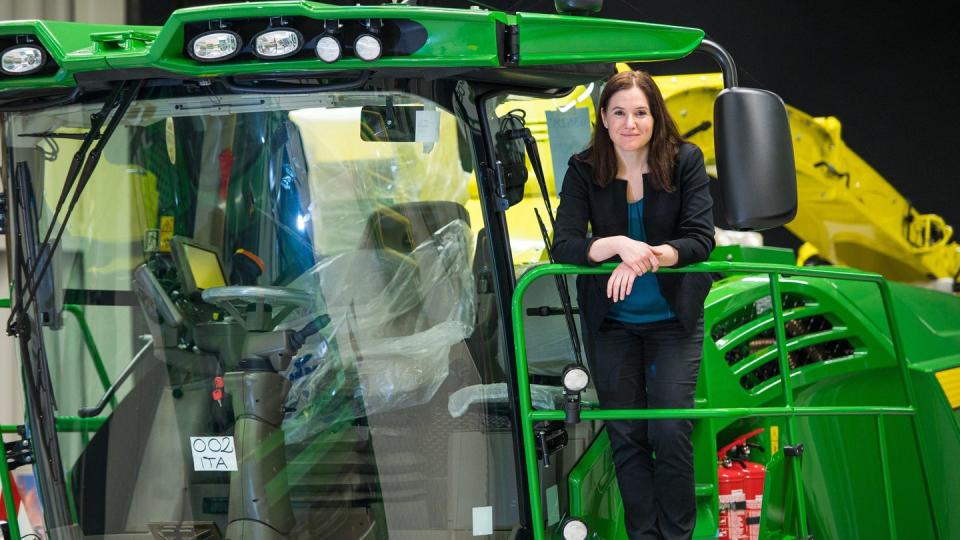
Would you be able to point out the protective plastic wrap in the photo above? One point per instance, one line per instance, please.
(394, 319)
(542, 396)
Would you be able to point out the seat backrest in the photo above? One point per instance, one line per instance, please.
(363, 285)
(403, 227)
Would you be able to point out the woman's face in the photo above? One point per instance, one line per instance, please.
(628, 120)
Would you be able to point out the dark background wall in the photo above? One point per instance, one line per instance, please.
(889, 72)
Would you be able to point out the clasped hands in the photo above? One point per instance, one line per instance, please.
(638, 259)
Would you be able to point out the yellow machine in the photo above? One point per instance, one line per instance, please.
(848, 214)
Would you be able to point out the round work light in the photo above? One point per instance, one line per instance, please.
(214, 46)
(575, 378)
(22, 60)
(329, 49)
(368, 47)
(277, 43)
(574, 529)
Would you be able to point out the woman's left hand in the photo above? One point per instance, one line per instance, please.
(666, 254)
(620, 282)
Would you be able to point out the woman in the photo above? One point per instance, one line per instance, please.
(645, 194)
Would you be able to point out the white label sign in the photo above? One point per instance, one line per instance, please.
(213, 453)
(482, 520)
(428, 127)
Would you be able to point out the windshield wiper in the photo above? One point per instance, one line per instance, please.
(40, 404)
(81, 169)
(56, 135)
(29, 254)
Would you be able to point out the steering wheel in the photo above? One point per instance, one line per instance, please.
(264, 301)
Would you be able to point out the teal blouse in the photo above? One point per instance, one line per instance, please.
(644, 304)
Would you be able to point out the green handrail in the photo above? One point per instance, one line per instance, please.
(774, 271)
(91, 344)
(77, 312)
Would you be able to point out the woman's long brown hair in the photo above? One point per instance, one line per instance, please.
(664, 143)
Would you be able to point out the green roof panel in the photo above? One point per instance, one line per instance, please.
(561, 39)
(455, 38)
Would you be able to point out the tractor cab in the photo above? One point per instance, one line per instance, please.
(285, 274)
(264, 272)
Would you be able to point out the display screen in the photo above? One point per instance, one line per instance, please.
(205, 267)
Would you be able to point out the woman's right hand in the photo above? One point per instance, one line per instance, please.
(620, 282)
(638, 256)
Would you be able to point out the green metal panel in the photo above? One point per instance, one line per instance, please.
(939, 429)
(931, 326)
(75, 47)
(455, 38)
(559, 39)
(764, 254)
(593, 490)
(461, 38)
(845, 492)
(779, 501)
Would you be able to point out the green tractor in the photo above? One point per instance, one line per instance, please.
(264, 288)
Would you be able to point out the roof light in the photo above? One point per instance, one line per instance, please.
(22, 60)
(575, 529)
(280, 43)
(329, 49)
(214, 45)
(575, 378)
(367, 47)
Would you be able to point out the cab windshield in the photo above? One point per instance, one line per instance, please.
(214, 223)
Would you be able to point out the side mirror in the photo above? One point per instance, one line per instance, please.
(755, 163)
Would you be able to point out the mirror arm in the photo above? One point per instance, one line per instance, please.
(727, 65)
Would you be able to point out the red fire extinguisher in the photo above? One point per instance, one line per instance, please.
(730, 490)
(740, 490)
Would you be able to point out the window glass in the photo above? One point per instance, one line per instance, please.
(340, 217)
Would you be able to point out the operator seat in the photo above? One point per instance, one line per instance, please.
(412, 450)
(423, 441)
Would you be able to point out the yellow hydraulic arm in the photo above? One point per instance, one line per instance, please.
(847, 212)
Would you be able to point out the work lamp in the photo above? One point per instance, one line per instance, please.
(329, 49)
(277, 43)
(575, 529)
(22, 60)
(367, 47)
(214, 45)
(575, 378)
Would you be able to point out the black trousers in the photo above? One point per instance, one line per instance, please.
(653, 365)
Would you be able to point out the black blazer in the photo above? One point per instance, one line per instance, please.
(682, 218)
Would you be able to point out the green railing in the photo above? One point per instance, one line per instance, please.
(529, 416)
(88, 341)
